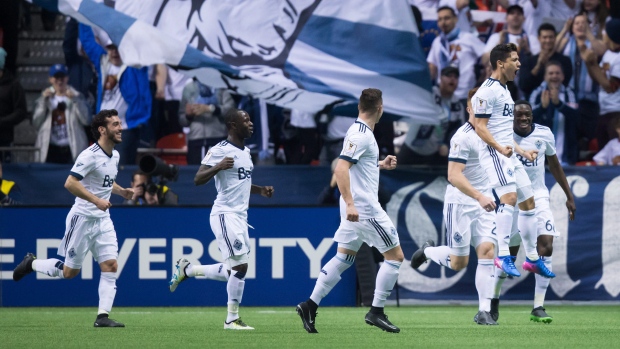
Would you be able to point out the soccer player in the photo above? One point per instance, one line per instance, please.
(469, 214)
(231, 164)
(529, 135)
(493, 107)
(361, 217)
(88, 224)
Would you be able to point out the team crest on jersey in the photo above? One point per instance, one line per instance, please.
(393, 231)
(458, 237)
(509, 172)
(481, 106)
(72, 252)
(538, 144)
(237, 245)
(350, 148)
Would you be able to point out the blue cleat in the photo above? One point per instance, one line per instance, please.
(538, 267)
(507, 264)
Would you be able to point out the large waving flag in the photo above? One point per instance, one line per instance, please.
(302, 54)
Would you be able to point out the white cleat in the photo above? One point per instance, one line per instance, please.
(179, 274)
(236, 325)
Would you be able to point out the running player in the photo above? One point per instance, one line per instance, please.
(231, 165)
(469, 214)
(88, 226)
(493, 107)
(361, 217)
(529, 135)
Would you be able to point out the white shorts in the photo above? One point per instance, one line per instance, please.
(544, 219)
(378, 232)
(83, 234)
(506, 175)
(524, 185)
(467, 225)
(231, 233)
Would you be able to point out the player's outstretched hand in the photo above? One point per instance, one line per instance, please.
(570, 205)
(530, 155)
(352, 214)
(506, 151)
(487, 203)
(103, 205)
(226, 163)
(129, 194)
(267, 191)
(389, 163)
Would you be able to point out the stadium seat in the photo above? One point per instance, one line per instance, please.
(173, 141)
(585, 163)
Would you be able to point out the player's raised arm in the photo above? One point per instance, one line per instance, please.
(75, 187)
(483, 132)
(530, 155)
(266, 191)
(558, 173)
(344, 185)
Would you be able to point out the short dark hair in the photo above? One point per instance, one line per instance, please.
(546, 26)
(522, 101)
(554, 62)
(447, 8)
(370, 99)
(513, 8)
(101, 120)
(501, 52)
(231, 116)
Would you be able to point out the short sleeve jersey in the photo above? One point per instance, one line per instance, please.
(493, 101)
(361, 149)
(233, 185)
(464, 147)
(540, 138)
(610, 102)
(97, 172)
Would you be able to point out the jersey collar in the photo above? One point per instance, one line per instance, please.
(100, 147)
(502, 85)
(529, 133)
(359, 121)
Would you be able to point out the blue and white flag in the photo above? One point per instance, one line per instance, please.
(302, 54)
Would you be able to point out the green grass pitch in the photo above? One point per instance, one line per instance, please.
(421, 327)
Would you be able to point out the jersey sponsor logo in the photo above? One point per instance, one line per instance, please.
(526, 162)
(243, 173)
(508, 108)
(349, 149)
(108, 181)
(481, 106)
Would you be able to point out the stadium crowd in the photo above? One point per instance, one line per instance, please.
(570, 72)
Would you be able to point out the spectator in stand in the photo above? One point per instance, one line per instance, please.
(123, 88)
(12, 107)
(608, 78)
(534, 11)
(60, 115)
(598, 14)
(610, 154)
(554, 106)
(576, 36)
(454, 48)
(564, 9)
(532, 72)
(461, 9)
(168, 94)
(513, 32)
(202, 109)
(307, 146)
(429, 144)
(82, 75)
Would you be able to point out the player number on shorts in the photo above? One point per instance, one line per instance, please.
(549, 226)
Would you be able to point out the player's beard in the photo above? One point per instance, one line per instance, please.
(112, 137)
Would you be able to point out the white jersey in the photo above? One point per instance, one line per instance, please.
(493, 101)
(233, 185)
(361, 149)
(97, 171)
(541, 138)
(464, 147)
(610, 102)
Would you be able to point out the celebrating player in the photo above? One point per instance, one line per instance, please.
(231, 165)
(493, 107)
(469, 213)
(361, 217)
(528, 136)
(88, 224)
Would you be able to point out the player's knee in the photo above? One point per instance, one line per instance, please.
(241, 269)
(109, 266)
(509, 199)
(545, 248)
(458, 262)
(485, 250)
(528, 204)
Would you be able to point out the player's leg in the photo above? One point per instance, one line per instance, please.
(546, 229)
(348, 245)
(380, 232)
(484, 242)
(104, 247)
(236, 284)
(500, 275)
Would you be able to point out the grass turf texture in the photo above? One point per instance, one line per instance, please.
(437, 326)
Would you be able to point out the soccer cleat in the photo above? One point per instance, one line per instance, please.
(419, 257)
(539, 315)
(381, 321)
(107, 322)
(179, 274)
(507, 264)
(494, 309)
(484, 318)
(236, 325)
(307, 316)
(538, 267)
(24, 267)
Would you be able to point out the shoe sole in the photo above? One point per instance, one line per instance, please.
(383, 329)
(307, 327)
(545, 320)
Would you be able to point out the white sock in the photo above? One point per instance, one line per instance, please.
(528, 227)
(386, 279)
(500, 277)
(485, 281)
(439, 255)
(330, 275)
(107, 292)
(503, 222)
(50, 267)
(542, 283)
(235, 286)
(211, 271)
